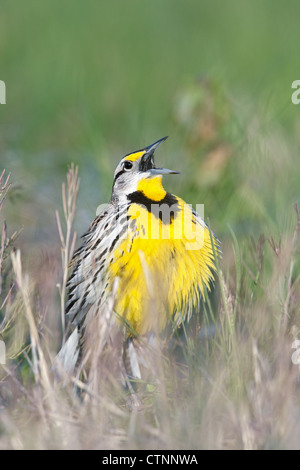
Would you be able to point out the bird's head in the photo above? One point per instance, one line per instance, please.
(137, 172)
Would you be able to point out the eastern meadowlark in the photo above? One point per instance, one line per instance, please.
(147, 257)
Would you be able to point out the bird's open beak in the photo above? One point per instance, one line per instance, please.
(148, 157)
(151, 148)
(163, 171)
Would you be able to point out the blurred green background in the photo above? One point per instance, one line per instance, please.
(89, 81)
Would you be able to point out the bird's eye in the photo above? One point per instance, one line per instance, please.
(127, 165)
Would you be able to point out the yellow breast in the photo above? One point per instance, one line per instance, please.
(163, 264)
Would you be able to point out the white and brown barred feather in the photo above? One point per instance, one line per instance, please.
(89, 288)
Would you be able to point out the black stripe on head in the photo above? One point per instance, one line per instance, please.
(127, 166)
(117, 175)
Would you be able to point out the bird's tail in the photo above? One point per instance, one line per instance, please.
(67, 357)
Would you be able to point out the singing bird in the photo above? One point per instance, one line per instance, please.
(147, 257)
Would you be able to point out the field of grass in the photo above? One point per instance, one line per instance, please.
(88, 82)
